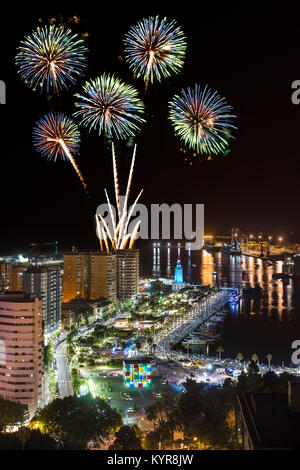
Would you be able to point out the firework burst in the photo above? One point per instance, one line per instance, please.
(110, 106)
(56, 135)
(201, 118)
(51, 59)
(117, 237)
(155, 48)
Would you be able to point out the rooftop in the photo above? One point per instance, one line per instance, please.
(270, 421)
(15, 296)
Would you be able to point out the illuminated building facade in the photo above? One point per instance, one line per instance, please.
(11, 276)
(90, 276)
(75, 276)
(178, 277)
(137, 373)
(46, 283)
(22, 341)
(128, 273)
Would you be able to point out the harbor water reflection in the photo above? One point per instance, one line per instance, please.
(267, 318)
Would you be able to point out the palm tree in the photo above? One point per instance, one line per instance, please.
(150, 344)
(138, 345)
(254, 357)
(239, 357)
(269, 357)
(219, 351)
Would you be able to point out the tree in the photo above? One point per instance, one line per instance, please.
(254, 357)
(138, 345)
(48, 353)
(164, 415)
(27, 439)
(239, 357)
(219, 351)
(74, 421)
(127, 438)
(152, 440)
(269, 358)
(75, 380)
(11, 413)
(203, 413)
(253, 367)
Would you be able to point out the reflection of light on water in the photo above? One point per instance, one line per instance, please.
(269, 287)
(207, 268)
(279, 265)
(199, 267)
(168, 271)
(280, 302)
(289, 293)
(156, 262)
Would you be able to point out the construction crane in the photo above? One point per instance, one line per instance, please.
(38, 247)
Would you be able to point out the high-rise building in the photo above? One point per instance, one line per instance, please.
(11, 276)
(90, 276)
(75, 276)
(46, 283)
(128, 273)
(102, 276)
(21, 341)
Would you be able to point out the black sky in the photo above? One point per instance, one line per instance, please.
(249, 55)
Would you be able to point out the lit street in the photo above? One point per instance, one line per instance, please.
(62, 373)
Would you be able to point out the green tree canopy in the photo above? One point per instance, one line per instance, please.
(11, 413)
(74, 421)
(127, 438)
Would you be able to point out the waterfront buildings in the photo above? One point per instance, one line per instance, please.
(46, 283)
(127, 273)
(90, 276)
(22, 341)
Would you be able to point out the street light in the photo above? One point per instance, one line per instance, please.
(280, 239)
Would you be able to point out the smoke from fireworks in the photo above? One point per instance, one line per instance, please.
(110, 106)
(118, 237)
(201, 118)
(56, 135)
(155, 48)
(51, 58)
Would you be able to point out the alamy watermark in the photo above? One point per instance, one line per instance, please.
(2, 92)
(296, 354)
(158, 222)
(296, 94)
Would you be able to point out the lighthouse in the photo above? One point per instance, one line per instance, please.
(178, 277)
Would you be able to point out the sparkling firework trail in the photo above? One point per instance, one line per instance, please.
(52, 58)
(56, 135)
(155, 48)
(201, 118)
(119, 237)
(110, 106)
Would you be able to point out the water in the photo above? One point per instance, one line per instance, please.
(268, 323)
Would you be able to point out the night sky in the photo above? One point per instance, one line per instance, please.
(250, 56)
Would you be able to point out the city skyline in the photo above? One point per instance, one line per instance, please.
(149, 242)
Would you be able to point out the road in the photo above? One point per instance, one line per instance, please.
(63, 374)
